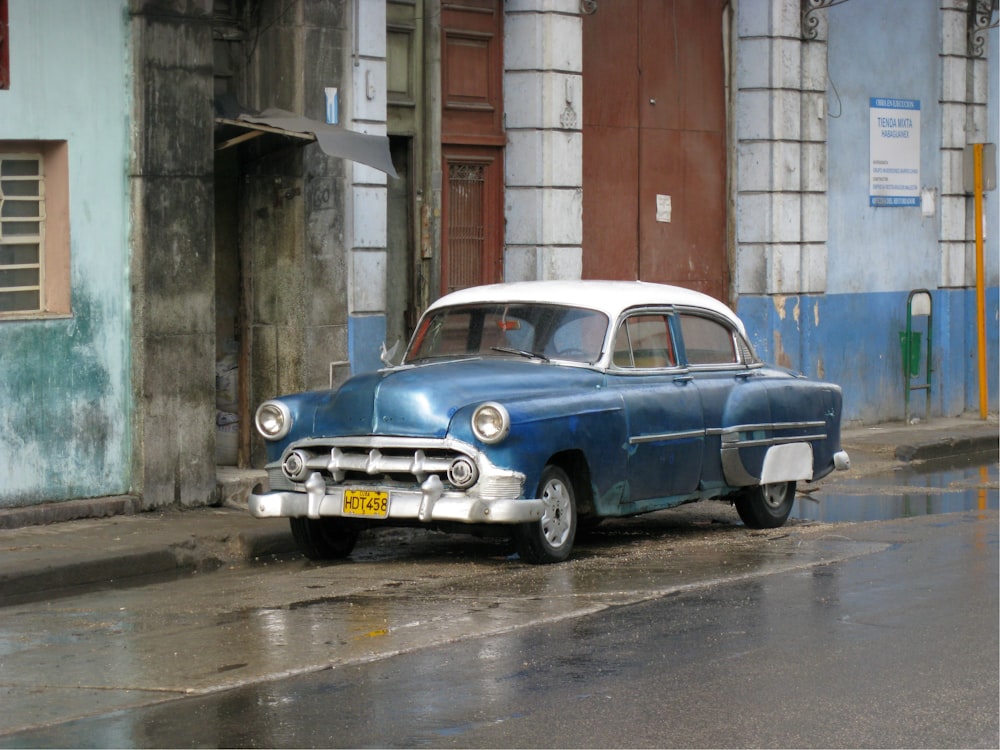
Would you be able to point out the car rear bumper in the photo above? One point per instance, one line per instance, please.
(429, 504)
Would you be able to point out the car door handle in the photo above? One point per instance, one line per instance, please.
(683, 379)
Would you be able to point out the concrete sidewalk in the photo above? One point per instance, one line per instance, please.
(43, 557)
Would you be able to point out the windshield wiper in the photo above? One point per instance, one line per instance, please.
(519, 352)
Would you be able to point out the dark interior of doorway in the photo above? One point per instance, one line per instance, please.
(402, 281)
(230, 419)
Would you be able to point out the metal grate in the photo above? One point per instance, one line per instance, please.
(22, 226)
(466, 231)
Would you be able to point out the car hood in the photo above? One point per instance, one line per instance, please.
(421, 401)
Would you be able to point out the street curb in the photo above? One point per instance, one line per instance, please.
(943, 448)
(43, 581)
(69, 510)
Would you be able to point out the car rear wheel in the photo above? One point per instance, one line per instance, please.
(324, 538)
(766, 506)
(550, 539)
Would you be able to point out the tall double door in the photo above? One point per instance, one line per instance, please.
(654, 143)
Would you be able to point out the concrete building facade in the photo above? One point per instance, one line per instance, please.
(189, 273)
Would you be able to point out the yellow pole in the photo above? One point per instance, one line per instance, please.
(977, 161)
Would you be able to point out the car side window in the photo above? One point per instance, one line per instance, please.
(644, 341)
(707, 341)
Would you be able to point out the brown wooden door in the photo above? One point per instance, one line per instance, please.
(654, 153)
(472, 140)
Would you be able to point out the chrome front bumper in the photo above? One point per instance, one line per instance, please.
(427, 505)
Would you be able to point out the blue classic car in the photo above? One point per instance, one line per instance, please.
(538, 408)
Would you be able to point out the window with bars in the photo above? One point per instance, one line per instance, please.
(34, 229)
(22, 224)
(466, 231)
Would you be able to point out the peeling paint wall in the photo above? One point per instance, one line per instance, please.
(829, 298)
(860, 348)
(65, 388)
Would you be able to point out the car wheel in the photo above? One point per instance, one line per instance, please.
(550, 539)
(324, 538)
(766, 506)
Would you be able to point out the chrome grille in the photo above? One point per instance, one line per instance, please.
(382, 464)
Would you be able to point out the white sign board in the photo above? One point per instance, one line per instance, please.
(894, 173)
(663, 208)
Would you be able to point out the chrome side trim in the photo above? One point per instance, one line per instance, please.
(737, 428)
(664, 436)
(773, 441)
(736, 473)
(732, 434)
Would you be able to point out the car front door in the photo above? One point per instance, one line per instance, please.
(664, 424)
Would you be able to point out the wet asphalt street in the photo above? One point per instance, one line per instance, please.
(897, 648)
(677, 629)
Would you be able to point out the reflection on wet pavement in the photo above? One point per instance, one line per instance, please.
(928, 489)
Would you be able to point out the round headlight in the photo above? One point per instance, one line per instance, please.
(273, 420)
(490, 422)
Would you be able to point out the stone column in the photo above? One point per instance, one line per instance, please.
(964, 120)
(367, 228)
(172, 269)
(780, 137)
(543, 103)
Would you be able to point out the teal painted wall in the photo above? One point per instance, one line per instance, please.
(65, 387)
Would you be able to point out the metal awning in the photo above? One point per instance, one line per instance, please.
(234, 128)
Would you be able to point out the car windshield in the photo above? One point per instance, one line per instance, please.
(510, 330)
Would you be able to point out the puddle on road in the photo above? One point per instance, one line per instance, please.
(928, 489)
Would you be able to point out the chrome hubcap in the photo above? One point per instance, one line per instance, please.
(558, 515)
(774, 494)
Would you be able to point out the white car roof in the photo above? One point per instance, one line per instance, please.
(610, 297)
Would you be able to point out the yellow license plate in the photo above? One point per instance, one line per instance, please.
(366, 503)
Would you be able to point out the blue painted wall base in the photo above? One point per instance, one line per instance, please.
(853, 340)
(365, 335)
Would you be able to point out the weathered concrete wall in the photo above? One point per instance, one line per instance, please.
(65, 389)
(172, 251)
(295, 206)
